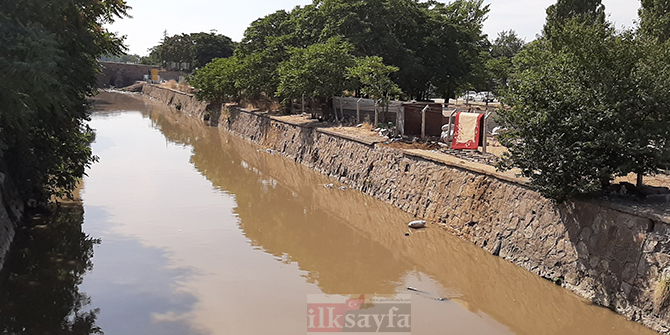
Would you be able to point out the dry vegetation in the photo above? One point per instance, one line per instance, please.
(182, 87)
(266, 104)
(662, 293)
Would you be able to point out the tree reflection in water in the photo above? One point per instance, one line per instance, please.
(39, 284)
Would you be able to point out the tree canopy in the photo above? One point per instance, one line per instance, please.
(49, 54)
(587, 105)
(503, 50)
(124, 58)
(655, 19)
(507, 44)
(218, 80)
(374, 78)
(319, 70)
(190, 51)
(585, 11)
(435, 46)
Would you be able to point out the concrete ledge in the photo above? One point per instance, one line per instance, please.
(449, 160)
(331, 132)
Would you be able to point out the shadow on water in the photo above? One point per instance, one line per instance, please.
(39, 284)
(345, 242)
(349, 242)
(281, 211)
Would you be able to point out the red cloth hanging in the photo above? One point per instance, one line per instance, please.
(467, 131)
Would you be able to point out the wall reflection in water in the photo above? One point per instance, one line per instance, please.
(348, 242)
(257, 232)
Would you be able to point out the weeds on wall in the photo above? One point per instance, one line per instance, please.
(662, 293)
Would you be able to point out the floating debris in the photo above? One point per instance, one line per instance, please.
(342, 188)
(328, 185)
(417, 224)
(427, 294)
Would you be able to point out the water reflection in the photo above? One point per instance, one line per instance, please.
(348, 242)
(297, 219)
(220, 237)
(39, 285)
(133, 283)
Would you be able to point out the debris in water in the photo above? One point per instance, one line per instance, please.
(270, 151)
(426, 294)
(342, 188)
(406, 234)
(328, 185)
(496, 249)
(417, 224)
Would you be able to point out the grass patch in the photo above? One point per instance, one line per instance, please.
(662, 293)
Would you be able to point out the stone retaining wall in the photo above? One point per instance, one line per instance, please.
(122, 74)
(181, 101)
(613, 257)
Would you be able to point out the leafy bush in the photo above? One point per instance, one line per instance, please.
(48, 58)
(217, 81)
(588, 104)
(318, 71)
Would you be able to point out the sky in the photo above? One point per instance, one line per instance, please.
(232, 17)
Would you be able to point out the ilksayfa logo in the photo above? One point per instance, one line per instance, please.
(362, 314)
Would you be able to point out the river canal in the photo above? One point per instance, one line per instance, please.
(186, 229)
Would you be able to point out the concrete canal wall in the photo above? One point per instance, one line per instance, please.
(611, 254)
(181, 101)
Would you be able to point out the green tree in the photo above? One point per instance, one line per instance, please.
(655, 19)
(462, 48)
(587, 109)
(499, 69)
(375, 81)
(318, 71)
(435, 46)
(175, 52)
(507, 44)
(48, 58)
(264, 46)
(124, 58)
(375, 78)
(208, 46)
(503, 50)
(585, 11)
(216, 82)
(189, 51)
(151, 59)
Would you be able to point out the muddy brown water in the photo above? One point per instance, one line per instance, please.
(186, 229)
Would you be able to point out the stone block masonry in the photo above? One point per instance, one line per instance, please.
(611, 255)
(181, 101)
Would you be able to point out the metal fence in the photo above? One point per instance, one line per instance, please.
(360, 110)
